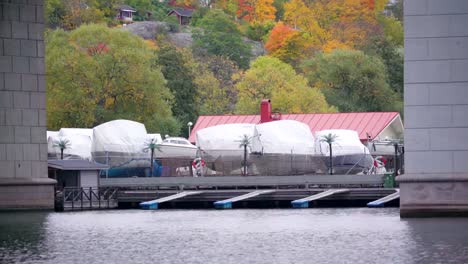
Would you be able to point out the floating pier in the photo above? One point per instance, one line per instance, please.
(154, 204)
(304, 202)
(382, 201)
(227, 204)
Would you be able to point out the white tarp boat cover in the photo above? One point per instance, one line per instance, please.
(52, 136)
(223, 137)
(346, 143)
(283, 137)
(79, 143)
(78, 147)
(122, 136)
(67, 132)
(155, 136)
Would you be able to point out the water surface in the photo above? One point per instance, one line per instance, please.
(232, 236)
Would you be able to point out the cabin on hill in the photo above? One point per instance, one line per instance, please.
(183, 15)
(125, 13)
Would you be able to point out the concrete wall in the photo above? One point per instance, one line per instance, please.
(23, 146)
(436, 108)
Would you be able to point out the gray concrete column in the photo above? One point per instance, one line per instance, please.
(23, 144)
(436, 108)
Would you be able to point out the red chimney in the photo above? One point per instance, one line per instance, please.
(265, 111)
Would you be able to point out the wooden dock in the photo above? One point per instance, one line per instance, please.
(240, 191)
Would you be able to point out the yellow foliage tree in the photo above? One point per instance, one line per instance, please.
(271, 78)
(263, 11)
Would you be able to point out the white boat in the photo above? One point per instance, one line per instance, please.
(349, 155)
(176, 147)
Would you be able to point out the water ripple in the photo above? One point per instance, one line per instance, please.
(232, 236)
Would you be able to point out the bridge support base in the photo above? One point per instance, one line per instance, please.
(431, 195)
(26, 194)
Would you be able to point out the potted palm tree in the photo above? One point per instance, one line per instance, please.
(151, 145)
(245, 142)
(63, 144)
(330, 139)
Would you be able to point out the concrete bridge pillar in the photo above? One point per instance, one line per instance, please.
(23, 145)
(436, 108)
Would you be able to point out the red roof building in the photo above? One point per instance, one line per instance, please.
(370, 126)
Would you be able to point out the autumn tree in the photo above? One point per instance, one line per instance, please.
(70, 14)
(330, 24)
(264, 11)
(288, 45)
(219, 35)
(352, 81)
(96, 74)
(270, 78)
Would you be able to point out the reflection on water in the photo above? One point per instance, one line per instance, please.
(235, 236)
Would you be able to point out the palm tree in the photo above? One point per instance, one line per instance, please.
(245, 142)
(63, 144)
(151, 144)
(330, 139)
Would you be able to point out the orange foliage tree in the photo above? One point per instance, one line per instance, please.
(335, 24)
(256, 10)
(278, 36)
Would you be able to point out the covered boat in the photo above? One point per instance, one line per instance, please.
(52, 137)
(284, 147)
(120, 143)
(78, 143)
(220, 148)
(349, 155)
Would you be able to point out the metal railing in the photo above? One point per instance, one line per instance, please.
(86, 198)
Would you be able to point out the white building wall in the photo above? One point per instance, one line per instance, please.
(89, 179)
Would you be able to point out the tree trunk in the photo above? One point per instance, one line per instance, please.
(331, 159)
(245, 160)
(152, 163)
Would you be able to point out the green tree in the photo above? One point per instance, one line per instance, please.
(63, 144)
(271, 78)
(180, 80)
(330, 139)
(212, 100)
(352, 81)
(245, 142)
(55, 12)
(392, 57)
(219, 35)
(223, 70)
(259, 31)
(151, 145)
(396, 8)
(96, 74)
